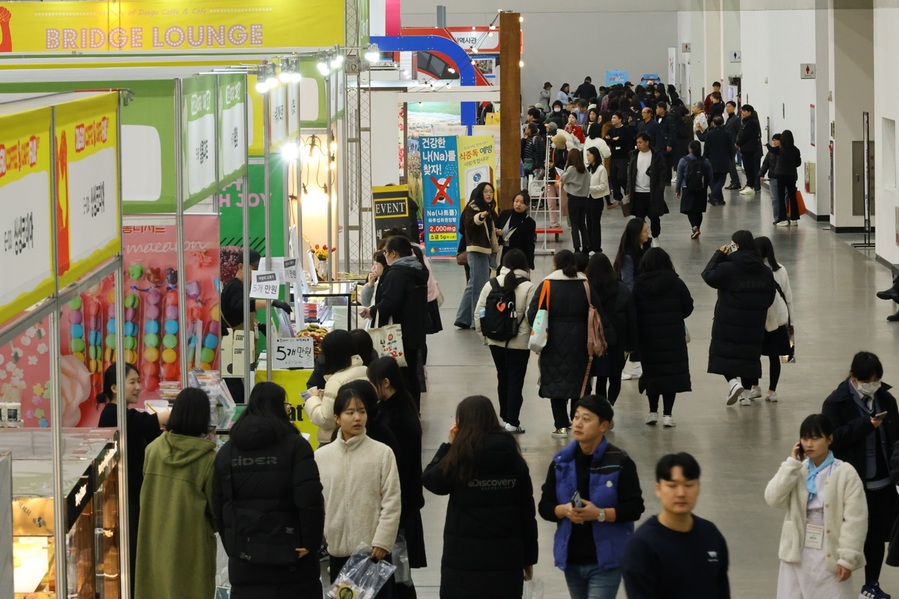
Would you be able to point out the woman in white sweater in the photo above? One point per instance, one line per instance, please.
(360, 484)
(510, 357)
(823, 536)
(599, 193)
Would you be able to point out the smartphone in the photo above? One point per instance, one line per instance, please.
(880, 416)
(576, 500)
(801, 451)
(731, 248)
(305, 394)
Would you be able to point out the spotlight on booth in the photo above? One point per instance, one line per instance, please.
(372, 54)
(290, 152)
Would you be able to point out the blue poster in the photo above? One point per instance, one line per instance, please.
(616, 77)
(440, 192)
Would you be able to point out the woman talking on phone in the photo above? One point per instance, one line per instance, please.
(822, 538)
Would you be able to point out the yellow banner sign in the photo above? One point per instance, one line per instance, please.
(168, 25)
(26, 266)
(87, 185)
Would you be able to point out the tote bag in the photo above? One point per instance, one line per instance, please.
(540, 328)
(388, 341)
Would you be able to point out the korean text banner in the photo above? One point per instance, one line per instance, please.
(199, 142)
(477, 163)
(26, 264)
(440, 184)
(232, 119)
(87, 185)
(155, 26)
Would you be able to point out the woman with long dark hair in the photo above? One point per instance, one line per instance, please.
(490, 534)
(694, 174)
(176, 525)
(267, 502)
(630, 250)
(619, 325)
(563, 362)
(777, 322)
(516, 229)
(663, 303)
(482, 246)
(788, 161)
(745, 291)
(599, 195)
(511, 356)
(396, 413)
(575, 181)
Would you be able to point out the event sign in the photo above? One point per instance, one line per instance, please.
(198, 137)
(87, 185)
(392, 209)
(162, 26)
(232, 136)
(26, 264)
(442, 204)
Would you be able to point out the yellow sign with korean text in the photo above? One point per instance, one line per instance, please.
(87, 185)
(477, 163)
(160, 26)
(26, 262)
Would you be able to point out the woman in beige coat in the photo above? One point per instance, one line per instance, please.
(510, 356)
(823, 536)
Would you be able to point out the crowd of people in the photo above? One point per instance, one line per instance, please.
(623, 145)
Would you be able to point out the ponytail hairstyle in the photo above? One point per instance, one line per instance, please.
(766, 251)
(109, 381)
(513, 259)
(566, 262)
(696, 148)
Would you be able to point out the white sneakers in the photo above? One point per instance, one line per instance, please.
(668, 422)
(771, 396)
(782, 223)
(754, 393)
(653, 418)
(736, 390)
(747, 191)
(635, 372)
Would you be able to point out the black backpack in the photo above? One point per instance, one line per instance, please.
(500, 321)
(696, 175)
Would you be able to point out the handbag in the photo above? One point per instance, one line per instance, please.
(800, 206)
(596, 339)
(388, 341)
(540, 328)
(233, 349)
(625, 207)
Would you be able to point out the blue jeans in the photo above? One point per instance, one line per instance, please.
(479, 265)
(590, 582)
(775, 197)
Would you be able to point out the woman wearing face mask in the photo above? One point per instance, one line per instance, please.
(823, 535)
(143, 428)
(516, 229)
(361, 487)
(558, 115)
(865, 429)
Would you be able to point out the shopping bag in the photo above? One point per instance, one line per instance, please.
(626, 206)
(533, 589)
(361, 577)
(400, 558)
(233, 350)
(540, 327)
(800, 206)
(388, 341)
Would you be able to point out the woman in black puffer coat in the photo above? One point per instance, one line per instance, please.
(745, 291)
(663, 302)
(788, 161)
(563, 362)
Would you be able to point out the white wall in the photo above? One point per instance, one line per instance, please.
(780, 41)
(886, 90)
(563, 47)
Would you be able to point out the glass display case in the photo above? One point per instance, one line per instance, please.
(90, 482)
(331, 305)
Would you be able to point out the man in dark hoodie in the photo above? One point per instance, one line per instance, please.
(558, 115)
(402, 298)
(749, 142)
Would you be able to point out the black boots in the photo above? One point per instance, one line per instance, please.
(892, 293)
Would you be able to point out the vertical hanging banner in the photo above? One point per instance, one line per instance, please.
(293, 109)
(278, 115)
(232, 136)
(26, 265)
(87, 185)
(440, 183)
(477, 163)
(198, 138)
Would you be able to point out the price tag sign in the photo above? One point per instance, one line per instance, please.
(293, 352)
(286, 268)
(265, 285)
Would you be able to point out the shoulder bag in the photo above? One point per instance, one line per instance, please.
(540, 328)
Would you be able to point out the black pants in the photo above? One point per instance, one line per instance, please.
(594, 224)
(511, 368)
(562, 414)
(786, 189)
(774, 375)
(881, 517)
(577, 214)
(751, 166)
(695, 219)
(718, 185)
(611, 385)
(618, 177)
(734, 175)
(335, 564)
(667, 402)
(410, 375)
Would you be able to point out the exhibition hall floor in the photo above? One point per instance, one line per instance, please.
(739, 448)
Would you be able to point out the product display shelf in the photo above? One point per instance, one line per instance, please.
(90, 479)
(331, 304)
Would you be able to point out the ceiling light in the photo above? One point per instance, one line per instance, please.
(323, 68)
(372, 54)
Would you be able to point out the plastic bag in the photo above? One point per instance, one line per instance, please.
(361, 578)
(400, 558)
(533, 589)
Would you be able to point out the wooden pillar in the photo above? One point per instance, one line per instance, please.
(510, 107)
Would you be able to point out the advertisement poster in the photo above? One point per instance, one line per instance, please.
(477, 163)
(87, 185)
(26, 264)
(199, 141)
(440, 187)
(154, 26)
(235, 198)
(393, 208)
(617, 77)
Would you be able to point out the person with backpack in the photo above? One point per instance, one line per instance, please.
(502, 307)
(694, 174)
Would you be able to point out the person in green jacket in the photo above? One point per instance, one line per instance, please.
(176, 534)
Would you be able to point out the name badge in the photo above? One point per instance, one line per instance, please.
(814, 536)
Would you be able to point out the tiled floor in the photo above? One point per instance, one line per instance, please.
(739, 448)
